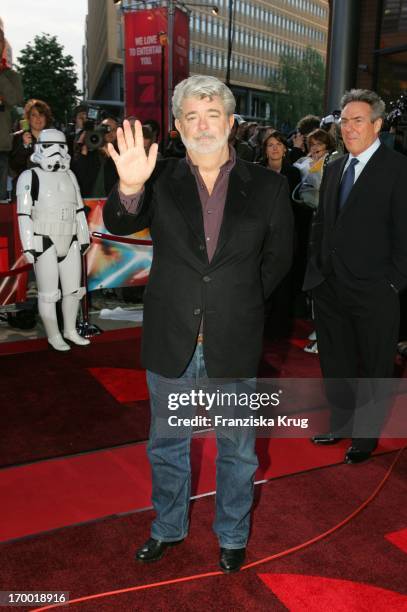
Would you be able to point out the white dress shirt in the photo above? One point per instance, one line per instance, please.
(363, 159)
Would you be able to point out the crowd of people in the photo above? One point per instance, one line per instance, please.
(300, 156)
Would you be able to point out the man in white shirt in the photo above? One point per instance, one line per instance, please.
(357, 266)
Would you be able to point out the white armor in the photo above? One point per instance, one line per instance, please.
(54, 233)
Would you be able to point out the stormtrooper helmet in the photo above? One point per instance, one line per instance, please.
(51, 151)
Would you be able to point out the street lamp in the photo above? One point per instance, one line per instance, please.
(231, 32)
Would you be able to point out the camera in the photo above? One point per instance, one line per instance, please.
(95, 132)
(334, 117)
(95, 138)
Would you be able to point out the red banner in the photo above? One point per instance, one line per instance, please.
(12, 287)
(145, 90)
(181, 47)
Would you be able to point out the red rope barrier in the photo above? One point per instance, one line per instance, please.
(122, 239)
(99, 235)
(16, 271)
(248, 566)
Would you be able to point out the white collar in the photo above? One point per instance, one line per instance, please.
(366, 154)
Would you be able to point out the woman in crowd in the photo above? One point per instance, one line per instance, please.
(37, 117)
(280, 307)
(321, 147)
(275, 150)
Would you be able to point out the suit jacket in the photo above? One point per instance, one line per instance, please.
(253, 254)
(292, 174)
(367, 240)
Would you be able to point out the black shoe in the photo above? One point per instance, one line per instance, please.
(231, 559)
(327, 439)
(354, 455)
(153, 550)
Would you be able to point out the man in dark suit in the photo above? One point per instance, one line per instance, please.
(222, 234)
(357, 266)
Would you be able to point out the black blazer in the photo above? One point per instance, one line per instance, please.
(292, 174)
(253, 254)
(367, 241)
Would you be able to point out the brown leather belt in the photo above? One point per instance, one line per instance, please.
(200, 339)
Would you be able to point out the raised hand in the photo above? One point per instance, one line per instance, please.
(133, 165)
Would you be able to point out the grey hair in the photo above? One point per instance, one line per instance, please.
(202, 86)
(378, 107)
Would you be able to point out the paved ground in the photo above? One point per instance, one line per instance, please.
(100, 300)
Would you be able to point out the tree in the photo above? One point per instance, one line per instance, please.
(299, 86)
(49, 75)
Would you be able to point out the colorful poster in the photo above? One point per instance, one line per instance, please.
(115, 264)
(12, 287)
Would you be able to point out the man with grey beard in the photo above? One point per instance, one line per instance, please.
(222, 233)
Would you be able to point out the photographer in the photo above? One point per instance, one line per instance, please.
(93, 167)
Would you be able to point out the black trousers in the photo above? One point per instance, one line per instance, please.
(357, 324)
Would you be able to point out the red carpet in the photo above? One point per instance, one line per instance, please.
(313, 593)
(356, 567)
(56, 404)
(95, 485)
(399, 538)
(107, 402)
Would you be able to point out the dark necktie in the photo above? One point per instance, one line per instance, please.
(347, 182)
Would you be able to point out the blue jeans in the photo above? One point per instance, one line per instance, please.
(236, 465)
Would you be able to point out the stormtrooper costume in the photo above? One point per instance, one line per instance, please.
(54, 234)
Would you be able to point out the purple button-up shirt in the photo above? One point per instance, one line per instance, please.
(213, 205)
